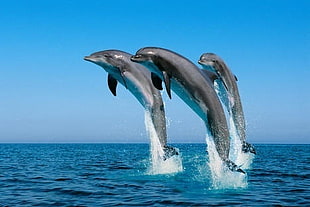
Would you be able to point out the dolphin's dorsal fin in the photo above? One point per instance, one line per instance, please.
(212, 75)
(112, 82)
(236, 78)
(157, 82)
(167, 83)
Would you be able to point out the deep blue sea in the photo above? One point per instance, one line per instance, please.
(117, 175)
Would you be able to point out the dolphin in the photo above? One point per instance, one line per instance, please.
(190, 84)
(214, 63)
(137, 79)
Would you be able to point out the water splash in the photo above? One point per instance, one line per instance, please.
(157, 164)
(244, 160)
(222, 177)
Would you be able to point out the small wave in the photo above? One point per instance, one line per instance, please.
(37, 178)
(278, 181)
(294, 175)
(76, 192)
(101, 178)
(68, 191)
(298, 190)
(120, 167)
(62, 179)
(179, 203)
(269, 173)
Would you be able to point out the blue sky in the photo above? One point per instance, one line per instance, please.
(48, 93)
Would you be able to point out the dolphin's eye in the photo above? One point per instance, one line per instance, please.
(105, 55)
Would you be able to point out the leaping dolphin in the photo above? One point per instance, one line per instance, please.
(214, 63)
(188, 82)
(137, 79)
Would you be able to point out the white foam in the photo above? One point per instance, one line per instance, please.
(244, 160)
(222, 177)
(157, 164)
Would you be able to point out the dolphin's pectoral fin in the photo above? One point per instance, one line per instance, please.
(247, 147)
(112, 82)
(167, 83)
(236, 78)
(169, 152)
(233, 167)
(212, 75)
(157, 82)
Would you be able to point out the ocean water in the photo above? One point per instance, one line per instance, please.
(118, 175)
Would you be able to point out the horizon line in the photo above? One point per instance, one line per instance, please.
(255, 143)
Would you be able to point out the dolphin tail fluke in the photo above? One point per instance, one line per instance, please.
(169, 152)
(246, 147)
(233, 167)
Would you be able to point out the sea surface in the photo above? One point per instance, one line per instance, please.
(118, 175)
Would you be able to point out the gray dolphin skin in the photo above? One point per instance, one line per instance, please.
(189, 83)
(137, 79)
(214, 63)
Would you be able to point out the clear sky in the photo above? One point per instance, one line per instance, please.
(48, 93)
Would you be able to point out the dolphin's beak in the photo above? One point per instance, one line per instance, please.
(206, 62)
(135, 58)
(87, 58)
